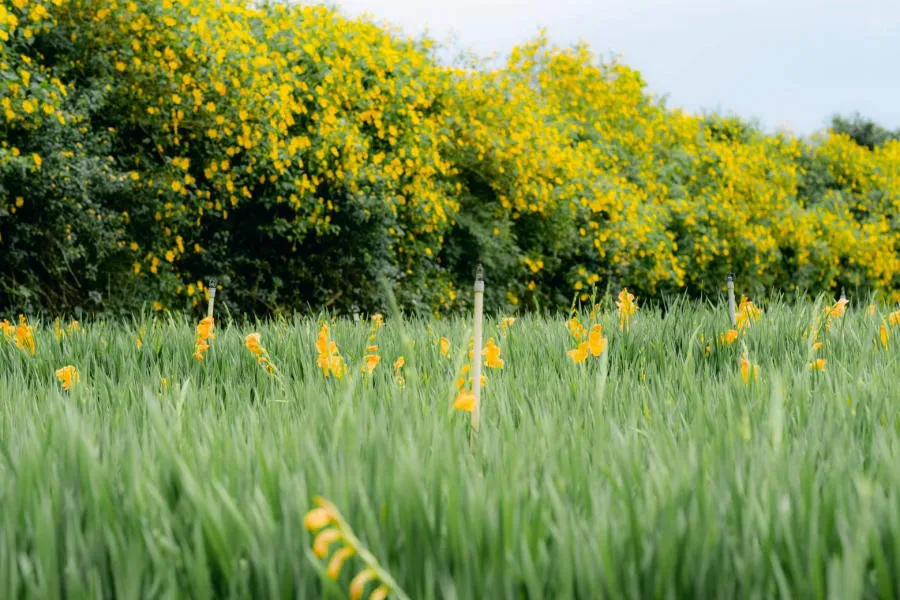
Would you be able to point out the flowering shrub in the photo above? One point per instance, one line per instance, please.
(298, 156)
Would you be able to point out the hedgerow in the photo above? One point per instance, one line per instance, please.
(299, 156)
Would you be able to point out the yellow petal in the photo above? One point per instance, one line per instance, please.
(337, 561)
(359, 583)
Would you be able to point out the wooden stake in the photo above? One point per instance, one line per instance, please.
(212, 297)
(476, 351)
(731, 308)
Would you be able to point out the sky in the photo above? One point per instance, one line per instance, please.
(787, 64)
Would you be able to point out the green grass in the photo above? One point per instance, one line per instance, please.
(651, 472)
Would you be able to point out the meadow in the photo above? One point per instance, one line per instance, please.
(681, 461)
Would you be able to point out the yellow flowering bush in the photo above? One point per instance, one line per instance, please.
(298, 156)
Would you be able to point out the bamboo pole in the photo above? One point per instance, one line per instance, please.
(476, 351)
(731, 306)
(212, 297)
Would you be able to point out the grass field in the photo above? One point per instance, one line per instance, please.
(653, 470)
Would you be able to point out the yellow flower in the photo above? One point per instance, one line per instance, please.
(871, 310)
(371, 362)
(24, 336)
(748, 369)
(337, 561)
(728, 337)
(580, 353)
(817, 346)
(324, 539)
(328, 358)
(818, 364)
(883, 335)
(318, 518)
(253, 342)
(506, 323)
(491, 354)
(894, 318)
(464, 401)
(138, 342)
(358, 584)
(746, 314)
(444, 343)
(576, 328)
(596, 341)
(398, 364)
(380, 593)
(68, 376)
(627, 308)
(204, 334)
(837, 310)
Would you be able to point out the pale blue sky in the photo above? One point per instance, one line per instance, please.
(787, 63)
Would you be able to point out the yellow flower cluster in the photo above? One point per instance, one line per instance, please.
(329, 359)
(588, 343)
(330, 529)
(253, 343)
(68, 376)
(372, 357)
(22, 335)
(204, 334)
(626, 307)
(749, 370)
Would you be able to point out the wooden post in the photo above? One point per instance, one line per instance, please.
(212, 297)
(476, 351)
(731, 308)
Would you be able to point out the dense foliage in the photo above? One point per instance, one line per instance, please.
(297, 156)
(680, 463)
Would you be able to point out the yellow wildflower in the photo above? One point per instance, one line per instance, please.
(24, 336)
(465, 400)
(746, 314)
(491, 355)
(358, 584)
(818, 364)
(728, 337)
(883, 335)
(576, 328)
(627, 308)
(372, 361)
(596, 341)
(838, 309)
(748, 370)
(380, 593)
(318, 518)
(204, 334)
(579, 354)
(337, 561)
(328, 359)
(68, 376)
(323, 540)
